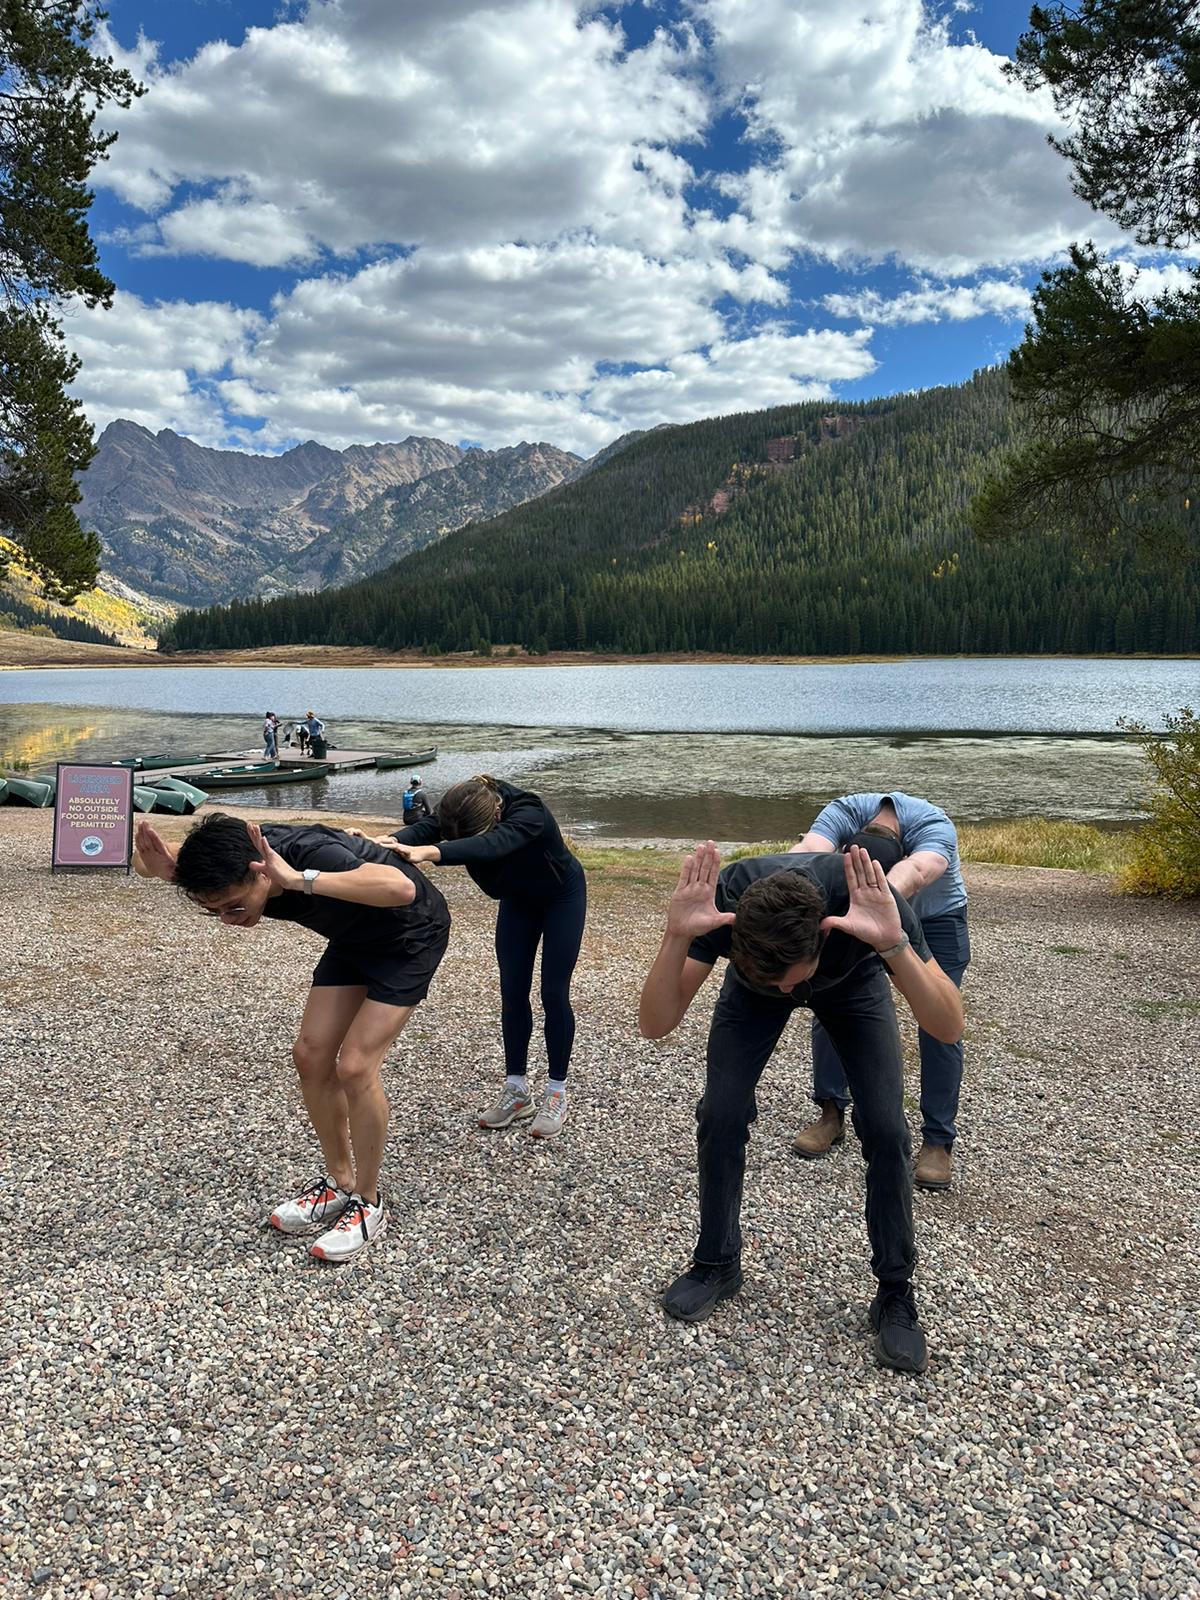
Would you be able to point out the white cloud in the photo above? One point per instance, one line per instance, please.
(155, 363)
(368, 123)
(994, 297)
(885, 139)
(492, 344)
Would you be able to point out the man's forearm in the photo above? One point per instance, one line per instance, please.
(935, 1002)
(366, 886)
(662, 1003)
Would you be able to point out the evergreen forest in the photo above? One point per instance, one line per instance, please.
(825, 529)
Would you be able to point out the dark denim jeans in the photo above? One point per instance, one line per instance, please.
(941, 1064)
(860, 1018)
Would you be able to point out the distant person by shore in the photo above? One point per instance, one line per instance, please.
(415, 804)
(270, 736)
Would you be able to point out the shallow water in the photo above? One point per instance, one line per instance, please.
(613, 780)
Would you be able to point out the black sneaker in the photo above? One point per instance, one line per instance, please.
(696, 1294)
(899, 1337)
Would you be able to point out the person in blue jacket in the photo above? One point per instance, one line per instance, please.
(512, 848)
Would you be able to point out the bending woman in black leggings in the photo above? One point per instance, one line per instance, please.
(511, 846)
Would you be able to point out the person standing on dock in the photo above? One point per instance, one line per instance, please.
(512, 848)
(917, 845)
(271, 737)
(386, 929)
(314, 728)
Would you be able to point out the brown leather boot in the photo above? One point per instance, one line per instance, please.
(819, 1138)
(934, 1168)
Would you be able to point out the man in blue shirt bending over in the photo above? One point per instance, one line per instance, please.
(917, 845)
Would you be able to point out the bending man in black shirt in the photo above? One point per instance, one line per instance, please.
(387, 928)
(813, 931)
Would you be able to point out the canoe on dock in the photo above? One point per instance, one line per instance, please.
(32, 791)
(254, 775)
(413, 758)
(144, 797)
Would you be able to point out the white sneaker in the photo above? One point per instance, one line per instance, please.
(512, 1106)
(549, 1120)
(358, 1224)
(317, 1203)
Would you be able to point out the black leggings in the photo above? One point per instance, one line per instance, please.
(558, 923)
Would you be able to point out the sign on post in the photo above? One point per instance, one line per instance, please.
(93, 816)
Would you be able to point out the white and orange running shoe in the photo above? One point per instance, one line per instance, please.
(316, 1205)
(359, 1223)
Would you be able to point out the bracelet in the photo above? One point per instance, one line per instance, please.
(894, 950)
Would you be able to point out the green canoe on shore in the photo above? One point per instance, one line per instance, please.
(35, 791)
(177, 795)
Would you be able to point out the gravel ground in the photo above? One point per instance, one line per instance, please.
(490, 1401)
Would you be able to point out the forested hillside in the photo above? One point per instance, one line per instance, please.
(800, 530)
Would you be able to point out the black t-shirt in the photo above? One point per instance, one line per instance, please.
(840, 954)
(394, 928)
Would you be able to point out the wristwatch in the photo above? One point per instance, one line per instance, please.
(902, 943)
(310, 875)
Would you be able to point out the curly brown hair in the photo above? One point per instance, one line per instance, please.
(777, 924)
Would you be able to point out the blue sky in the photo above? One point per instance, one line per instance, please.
(539, 219)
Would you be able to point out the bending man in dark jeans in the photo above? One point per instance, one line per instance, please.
(917, 845)
(809, 931)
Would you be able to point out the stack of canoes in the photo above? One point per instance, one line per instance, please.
(160, 794)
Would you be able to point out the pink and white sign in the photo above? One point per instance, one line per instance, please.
(93, 816)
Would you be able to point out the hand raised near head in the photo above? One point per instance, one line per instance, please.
(873, 916)
(692, 910)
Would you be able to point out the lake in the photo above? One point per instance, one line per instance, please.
(733, 751)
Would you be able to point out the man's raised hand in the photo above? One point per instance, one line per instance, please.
(874, 916)
(270, 863)
(155, 854)
(692, 910)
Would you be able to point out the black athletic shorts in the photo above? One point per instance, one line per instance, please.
(393, 977)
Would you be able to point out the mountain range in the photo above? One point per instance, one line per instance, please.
(195, 526)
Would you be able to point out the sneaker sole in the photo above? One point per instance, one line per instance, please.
(933, 1185)
(338, 1261)
(517, 1116)
(818, 1155)
(727, 1293)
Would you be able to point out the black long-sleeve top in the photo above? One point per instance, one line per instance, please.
(522, 857)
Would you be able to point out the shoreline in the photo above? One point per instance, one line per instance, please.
(24, 652)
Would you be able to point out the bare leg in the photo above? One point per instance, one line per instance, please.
(369, 1038)
(328, 1016)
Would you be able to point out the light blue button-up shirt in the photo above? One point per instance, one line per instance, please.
(923, 826)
